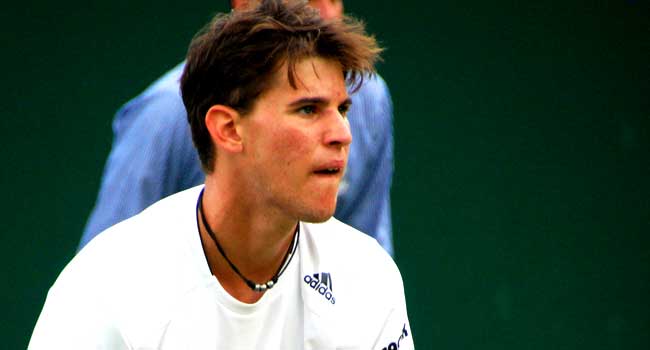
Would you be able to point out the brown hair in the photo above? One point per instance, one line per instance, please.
(231, 61)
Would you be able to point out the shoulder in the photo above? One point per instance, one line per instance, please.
(375, 85)
(358, 279)
(142, 253)
(354, 255)
(371, 114)
(157, 227)
(373, 92)
(152, 131)
(160, 104)
(334, 234)
(131, 276)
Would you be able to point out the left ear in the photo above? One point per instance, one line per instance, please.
(222, 123)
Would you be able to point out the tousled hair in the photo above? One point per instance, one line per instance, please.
(231, 61)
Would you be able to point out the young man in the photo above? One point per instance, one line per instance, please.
(152, 155)
(252, 259)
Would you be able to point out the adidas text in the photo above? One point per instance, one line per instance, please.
(320, 287)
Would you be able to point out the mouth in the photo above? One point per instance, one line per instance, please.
(329, 171)
(333, 168)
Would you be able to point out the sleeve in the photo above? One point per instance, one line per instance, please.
(364, 202)
(152, 156)
(396, 331)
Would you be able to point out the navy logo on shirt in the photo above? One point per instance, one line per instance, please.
(395, 345)
(321, 283)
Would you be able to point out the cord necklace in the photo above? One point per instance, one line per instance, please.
(252, 285)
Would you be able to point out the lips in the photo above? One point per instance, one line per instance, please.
(329, 171)
(334, 167)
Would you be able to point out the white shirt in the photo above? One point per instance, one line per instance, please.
(145, 284)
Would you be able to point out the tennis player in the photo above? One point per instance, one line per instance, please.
(152, 155)
(252, 259)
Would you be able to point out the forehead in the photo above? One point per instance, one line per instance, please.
(311, 75)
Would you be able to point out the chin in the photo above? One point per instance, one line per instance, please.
(317, 218)
(316, 209)
(318, 215)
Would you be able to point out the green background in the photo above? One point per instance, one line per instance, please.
(521, 199)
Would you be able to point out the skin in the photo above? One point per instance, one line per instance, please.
(280, 164)
(329, 9)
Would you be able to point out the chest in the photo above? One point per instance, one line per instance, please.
(209, 318)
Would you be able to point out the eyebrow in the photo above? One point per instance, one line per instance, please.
(316, 101)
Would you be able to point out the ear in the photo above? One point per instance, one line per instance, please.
(222, 123)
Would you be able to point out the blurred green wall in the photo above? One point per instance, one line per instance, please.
(521, 197)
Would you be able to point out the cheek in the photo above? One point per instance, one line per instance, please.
(290, 146)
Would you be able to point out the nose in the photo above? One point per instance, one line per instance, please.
(338, 133)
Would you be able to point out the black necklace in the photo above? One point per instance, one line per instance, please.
(252, 285)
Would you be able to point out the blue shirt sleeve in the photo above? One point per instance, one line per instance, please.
(152, 156)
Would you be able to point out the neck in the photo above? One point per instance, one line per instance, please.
(256, 242)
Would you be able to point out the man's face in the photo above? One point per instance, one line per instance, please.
(296, 141)
(329, 9)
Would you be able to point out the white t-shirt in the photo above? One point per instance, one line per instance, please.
(145, 284)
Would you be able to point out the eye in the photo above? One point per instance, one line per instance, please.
(307, 110)
(343, 109)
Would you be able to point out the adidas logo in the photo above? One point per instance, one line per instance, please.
(322, 283)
